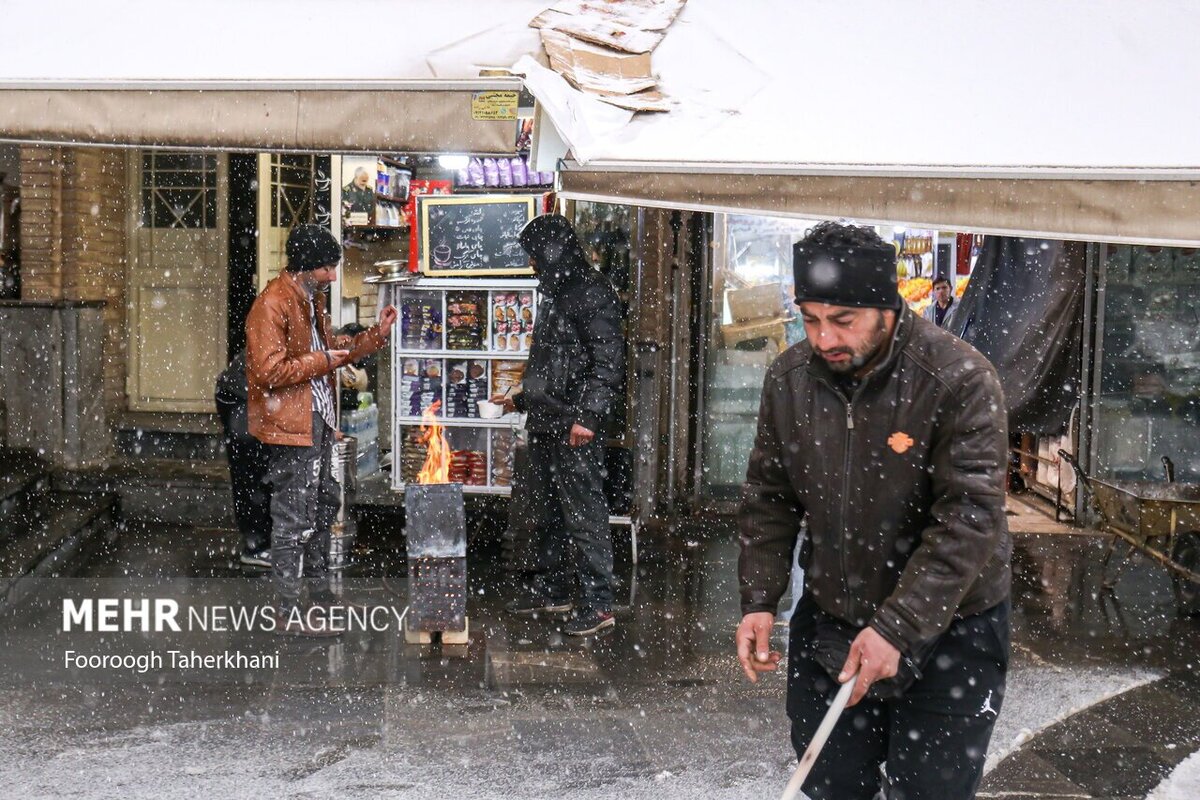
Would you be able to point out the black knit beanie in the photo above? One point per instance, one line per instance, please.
(312, 247)
(845, 265)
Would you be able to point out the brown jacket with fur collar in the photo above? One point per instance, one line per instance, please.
(280, 361)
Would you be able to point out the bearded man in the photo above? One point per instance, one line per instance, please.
(888, 436)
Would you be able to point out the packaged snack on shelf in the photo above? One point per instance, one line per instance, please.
(465, 321)
(458, 403)
(420, 322)
(477, 385)
(421, 384)
(468, 467)
(504, 444)
(468, 456)
(507, 376)
(512, 320)
(412, 454)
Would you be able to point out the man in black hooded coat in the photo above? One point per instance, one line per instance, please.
(576, 367)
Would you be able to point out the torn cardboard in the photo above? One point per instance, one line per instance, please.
(597, 69)
(600, 31)
(648, 15)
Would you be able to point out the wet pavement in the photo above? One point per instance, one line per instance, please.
(1101, 703)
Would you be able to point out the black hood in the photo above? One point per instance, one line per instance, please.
(557, 255)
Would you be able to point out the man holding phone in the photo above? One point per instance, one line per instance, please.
(291, 358)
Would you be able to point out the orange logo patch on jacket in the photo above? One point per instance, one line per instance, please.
(900, 441)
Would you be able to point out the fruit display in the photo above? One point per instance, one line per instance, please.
(914, 290)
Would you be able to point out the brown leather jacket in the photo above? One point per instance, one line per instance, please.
(280, 361)
(902, 485)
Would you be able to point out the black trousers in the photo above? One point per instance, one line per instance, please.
(566, 497)
(933, 739)
(248, 464)
(304, 504)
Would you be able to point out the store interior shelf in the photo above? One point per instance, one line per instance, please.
(507, 421)
(500, 355)
(502, 189)
(375, 228)
(470, 489)
(401, 277)
(426, 282)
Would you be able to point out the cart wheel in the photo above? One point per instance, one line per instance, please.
(1187, 555)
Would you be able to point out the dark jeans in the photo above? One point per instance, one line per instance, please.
(933, 739)
(248, 464)
(566, 495)
(304, 504)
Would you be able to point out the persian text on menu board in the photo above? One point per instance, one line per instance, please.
(474, 235)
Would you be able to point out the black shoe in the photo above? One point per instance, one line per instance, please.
(536, 603)
(589, 622)
(261, 558)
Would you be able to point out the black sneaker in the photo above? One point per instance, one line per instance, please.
(589, 622)
(536, 603)
(262, 558)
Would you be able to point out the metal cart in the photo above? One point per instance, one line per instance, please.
(1158, 520)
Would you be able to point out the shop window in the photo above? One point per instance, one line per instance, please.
(753, 319)
(1149, 364)
(605, 231)
(179, 190)
(292, 190)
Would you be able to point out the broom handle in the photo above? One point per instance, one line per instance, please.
(818, 741)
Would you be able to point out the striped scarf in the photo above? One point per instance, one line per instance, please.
(322, 394)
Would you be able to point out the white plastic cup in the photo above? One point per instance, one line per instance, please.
(490, 410)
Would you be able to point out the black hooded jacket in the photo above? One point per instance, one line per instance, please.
(577, 361)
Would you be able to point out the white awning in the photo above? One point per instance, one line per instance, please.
(936, 113)
(372, 75)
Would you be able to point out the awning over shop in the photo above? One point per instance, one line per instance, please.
(1155, 212)
(303, 74)
(1068, 119)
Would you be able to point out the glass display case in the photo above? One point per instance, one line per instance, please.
(1148, 403)
(752, 320)
(459, 341)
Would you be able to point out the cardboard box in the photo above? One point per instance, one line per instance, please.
(755, 302)
(771, 329)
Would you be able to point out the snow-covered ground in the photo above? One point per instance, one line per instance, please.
(1040, 695)
(1182, 784)
(714, 741)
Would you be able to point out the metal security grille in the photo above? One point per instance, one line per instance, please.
(179, 190)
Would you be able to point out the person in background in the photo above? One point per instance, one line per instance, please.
(575, 370)
(291, 357)
(888, 437)
(247, 466)
(938, 311)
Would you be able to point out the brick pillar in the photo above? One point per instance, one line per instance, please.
(42, 171)
(95, 198)
(73, 241)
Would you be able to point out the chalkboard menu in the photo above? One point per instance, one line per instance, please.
(474, 235)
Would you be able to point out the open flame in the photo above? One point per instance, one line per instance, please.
(436, 468)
